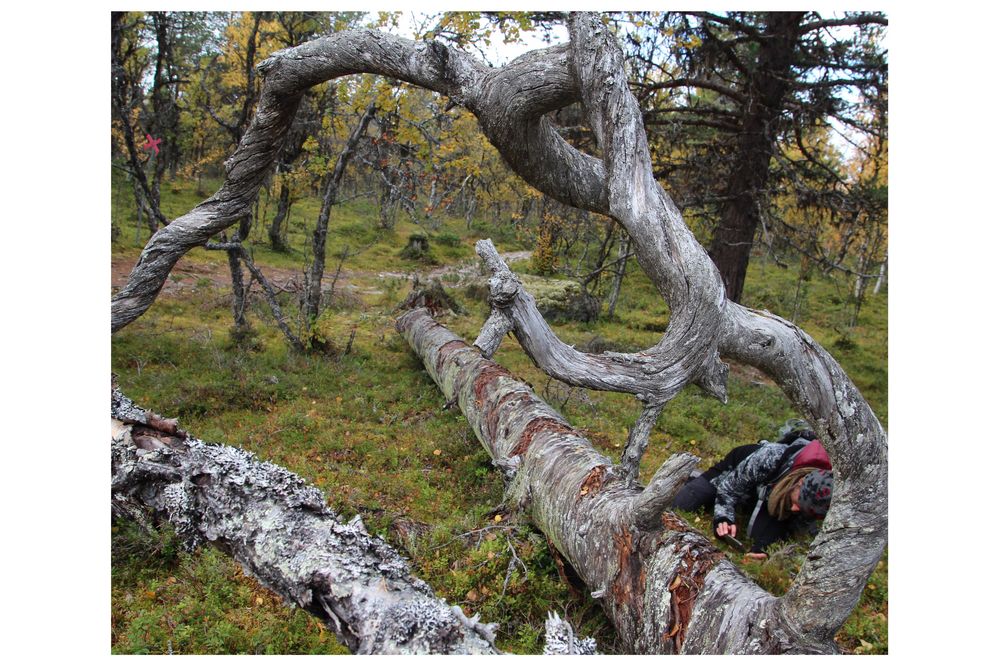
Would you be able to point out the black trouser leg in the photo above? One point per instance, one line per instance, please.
(767, 530)
(695, 494)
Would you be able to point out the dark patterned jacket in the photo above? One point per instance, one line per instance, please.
(747, 481)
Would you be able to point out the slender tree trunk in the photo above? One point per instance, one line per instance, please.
(144, 207)
(882, 272)
(240, 327)
(314, 276)
(283, 210)
(138, 213)
(624, 249)
(388, 204)
(290, 152)
(161, 125)
(470, 204)
(732, 242)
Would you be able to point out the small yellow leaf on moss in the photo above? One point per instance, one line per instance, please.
(865, 644)
(437, 452)
(260, 601)
(498, 517)
(150, 594)
(693, 441)
(339, 400)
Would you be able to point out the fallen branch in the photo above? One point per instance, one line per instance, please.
(281, 531)
(663, 585)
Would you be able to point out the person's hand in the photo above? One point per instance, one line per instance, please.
(756, 556)
(726, 529)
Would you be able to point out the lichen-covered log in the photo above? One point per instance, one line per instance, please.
(665, 587)
(282, 532)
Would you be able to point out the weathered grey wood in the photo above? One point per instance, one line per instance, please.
(511, 103)
(665, 587)
(269, 295)
(650, 375)
(646, 374)
(662, 488)
(855, 531)
(704, 324)
(560, 638)
(621, 265)
(240, 291)
(281, 531)
(638, 439)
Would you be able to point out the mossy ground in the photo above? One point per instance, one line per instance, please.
(368, 429)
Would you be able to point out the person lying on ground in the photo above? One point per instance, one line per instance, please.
(786, 485)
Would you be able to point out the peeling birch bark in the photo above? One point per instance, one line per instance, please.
(664, 586)
(282, 532)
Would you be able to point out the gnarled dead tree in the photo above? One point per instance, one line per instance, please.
(728, 613)
(702, 325)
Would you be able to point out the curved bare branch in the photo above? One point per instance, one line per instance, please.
(510, 103)
(855, 531)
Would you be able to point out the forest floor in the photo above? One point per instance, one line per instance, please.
(368, 430)
(190, 275)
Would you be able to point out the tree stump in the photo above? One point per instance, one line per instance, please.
(418, 249)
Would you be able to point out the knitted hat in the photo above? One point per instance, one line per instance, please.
(816, 493)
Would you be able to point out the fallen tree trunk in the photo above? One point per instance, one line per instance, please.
(664, 586)
(282, 532)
